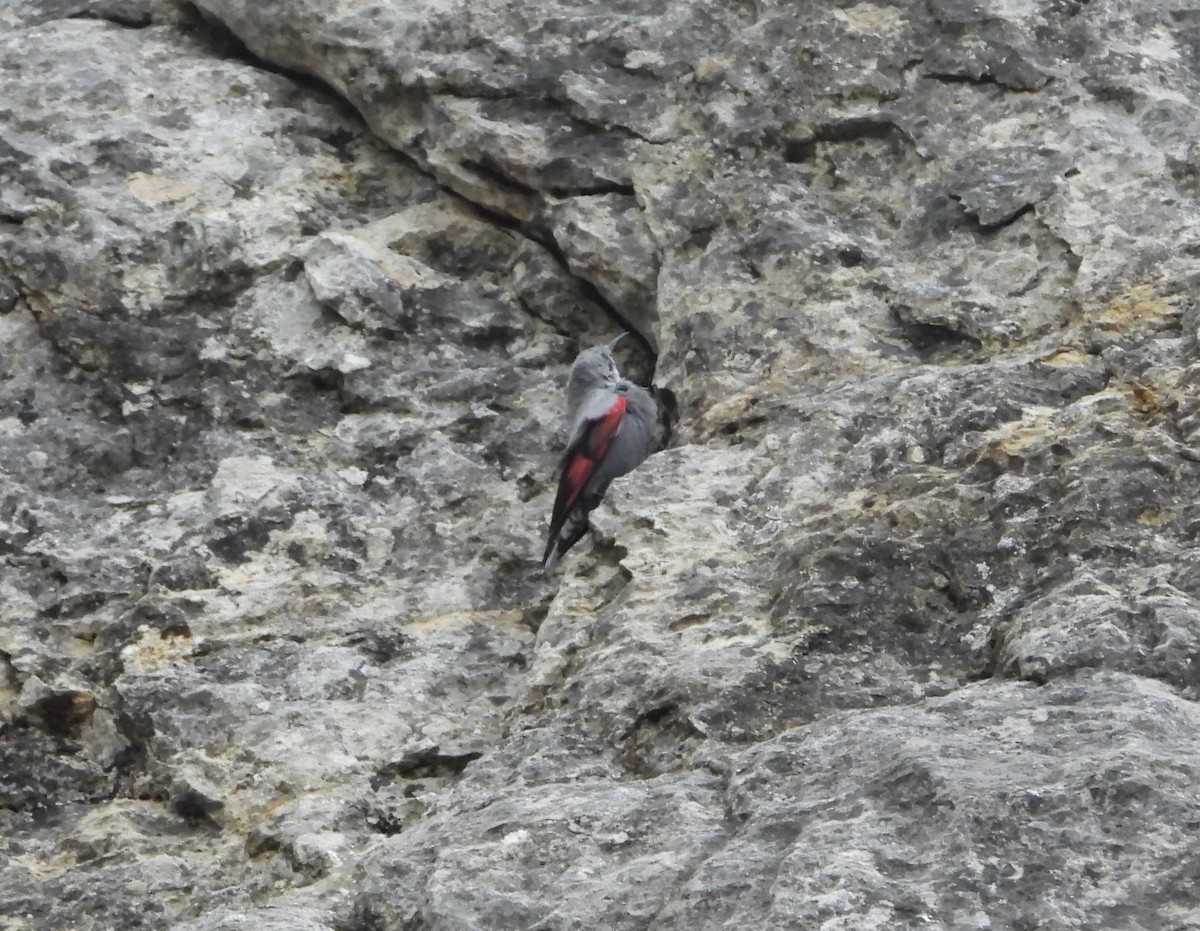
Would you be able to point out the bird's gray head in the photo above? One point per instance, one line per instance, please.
(594, 368)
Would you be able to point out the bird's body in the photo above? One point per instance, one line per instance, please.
(612, 430)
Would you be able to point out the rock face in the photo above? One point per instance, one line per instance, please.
(900, 630)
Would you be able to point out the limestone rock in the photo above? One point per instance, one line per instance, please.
(900, 630)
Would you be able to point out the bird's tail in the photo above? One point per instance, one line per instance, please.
(574, 527)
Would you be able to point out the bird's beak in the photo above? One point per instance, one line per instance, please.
(613, 344)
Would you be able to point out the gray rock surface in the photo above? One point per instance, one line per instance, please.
(899, 630)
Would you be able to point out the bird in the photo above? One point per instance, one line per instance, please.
(612, 423)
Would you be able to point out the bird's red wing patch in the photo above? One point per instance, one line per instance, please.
(584, 456)
(576, 475)
(605, 429)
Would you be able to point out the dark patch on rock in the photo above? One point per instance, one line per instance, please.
(422, 765)
(39, 773)
(195, 807)
(246, 535)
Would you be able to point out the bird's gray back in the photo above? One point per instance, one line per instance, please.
(633, 442)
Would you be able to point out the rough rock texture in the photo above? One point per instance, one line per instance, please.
(900, 630)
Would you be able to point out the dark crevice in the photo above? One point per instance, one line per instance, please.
(668, 413)
(878, 126)
(474, 93)
(597, 297)
(652, 716)
(423, 764)
(859, 127)
(981, 227)
(535, 233)
(985, 79)
(488, 170)
(944, 78)
(595, 190)
(1006, 221)
(619, 128)
(933, 342)
(132, 20)
(196, 808)
(224, 43)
